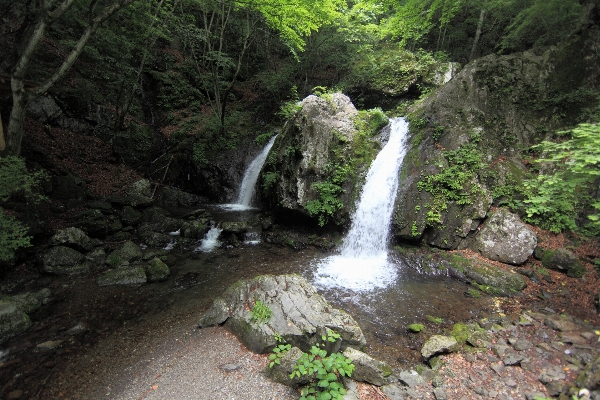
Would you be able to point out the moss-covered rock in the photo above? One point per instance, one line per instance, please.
(157, 270)
(563, 260)
(122, 276)
(12, 320)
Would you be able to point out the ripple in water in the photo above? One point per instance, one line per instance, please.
(363, 262)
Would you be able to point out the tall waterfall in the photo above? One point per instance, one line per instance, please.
(250, 177)
(363, 261)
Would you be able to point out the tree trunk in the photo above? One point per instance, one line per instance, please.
(2, 143)
(477, 34)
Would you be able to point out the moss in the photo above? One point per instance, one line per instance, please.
(415, 327)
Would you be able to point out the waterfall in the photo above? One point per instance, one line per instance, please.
(211, 240)
(362, 263)
(249, 181)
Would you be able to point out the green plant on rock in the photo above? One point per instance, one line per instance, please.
(435, 320)
(456, 181)
(260, 312)
(278, 351)
(324, 370)
(327, 204)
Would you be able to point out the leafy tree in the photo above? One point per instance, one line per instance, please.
(35, 20)
(573, 171)
(14, 178)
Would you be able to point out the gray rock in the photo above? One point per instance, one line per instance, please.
(590, 377)
(143, 187)
(512, 358)
(122, 276)
(92, 222)
(522, 344)
(299, 314)
(498, 367)
(12, 320)
(154, 239)
(551, 374)
(74, 238)
(368, 369)
(157, 270)
(62, 260)
(438, 344)
(281, 372)
(30, 302)
(411, 378)
(394, 392)
(128, 252)
(170, 197)
(505, 238)
(558, 323)
(352, 392)
(49, 345)
(572, 338)
(440, 394)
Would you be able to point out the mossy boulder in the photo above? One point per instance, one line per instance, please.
(62, 260)
(12, 320)
(157, 270)
(563, 260)
(298, 313)
(126, 254)
(486, 277)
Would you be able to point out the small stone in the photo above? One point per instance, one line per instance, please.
(512, 358)
(588, 335)
(470, 358)
(555, 388)
(411, 379)
(438, 344)
(480, 391)
(229, 367)
(394, 392)
(492, 394)
(440, 394)
(559, 323)
(500, 350)
(551, 374)
(49, 345)
(14, 395)
(499, 368)
(534, 395)
(510, 382)
(438, 381)
(572, 338)
(522, 344)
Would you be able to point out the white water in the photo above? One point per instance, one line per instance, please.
(211, 240)
(249, 181)
(363, 261)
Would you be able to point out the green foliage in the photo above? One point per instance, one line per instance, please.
(456, 181)
(261, 312)
(15, 179)
(554, 197)
(435, 320)
(324, 370)
(270, 179)
(415, 327)
(263, 138)
(278, 351)
(327, 203)
(370, 122)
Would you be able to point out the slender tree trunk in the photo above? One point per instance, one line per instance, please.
(477, 34)
(2, 143)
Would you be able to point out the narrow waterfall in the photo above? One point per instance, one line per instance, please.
(211, 240)
(251, 176)
(363, 261)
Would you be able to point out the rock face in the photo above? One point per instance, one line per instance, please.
(298, 313)
(317, 144)
(505, 238)
(473, 127)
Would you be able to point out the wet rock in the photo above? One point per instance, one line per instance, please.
(438, 344)
(12, 320)
(505, 238)
(30, 302)
(234, 227)
(298, 313)
(74, 238)
(128, 252)
(157, 270)
(122, 276)
(368, 369)
(62, 260)
(563, 260)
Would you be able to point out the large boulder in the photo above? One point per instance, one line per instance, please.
(505, 238)
(12, 320)
(72, 237)
(319, 156)
(156, 270)
(62, 260)
(563, 260)
(127, 253)
(298, 313)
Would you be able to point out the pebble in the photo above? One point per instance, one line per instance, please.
(498, 368)
(229, 367)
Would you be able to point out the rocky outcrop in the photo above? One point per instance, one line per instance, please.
(312, 164)
(505, 238)
(467, 136)
(297, 313)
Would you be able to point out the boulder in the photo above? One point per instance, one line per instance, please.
(505, 238)
(127, 253)
(368, 369)
(157, 270)
(92, 222)
(143, 188)
(131, 216)
(438, 344)
(122, 276)
(72, 237)
(31, 301)
(298, 313)
(12, 320)
(234, 227)
(62, 260)
(563, 260)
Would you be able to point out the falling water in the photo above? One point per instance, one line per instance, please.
(363, 261)
(250, 177)
(211, 240)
